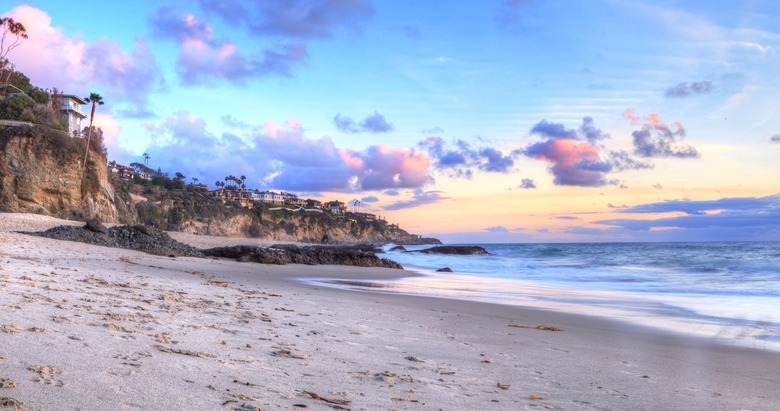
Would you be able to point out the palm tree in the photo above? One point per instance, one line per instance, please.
(95, 99)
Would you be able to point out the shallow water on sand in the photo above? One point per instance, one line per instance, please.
(727, 291)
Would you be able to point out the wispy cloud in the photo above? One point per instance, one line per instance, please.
(374, 123)
(304, 19)
(205, 58)
(743, 218)
(419, 198)
(685, 89)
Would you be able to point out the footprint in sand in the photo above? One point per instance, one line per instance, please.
(7, 383)
(7, 402)
(45, 375)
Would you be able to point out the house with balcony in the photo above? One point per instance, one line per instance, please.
(268, 197)
(70, 107)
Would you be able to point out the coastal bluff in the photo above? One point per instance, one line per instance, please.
(41, 173)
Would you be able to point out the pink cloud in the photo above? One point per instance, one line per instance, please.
(76, 66)
(658, 139)
(203, 58)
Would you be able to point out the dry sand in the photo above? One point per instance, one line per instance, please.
(92, 328)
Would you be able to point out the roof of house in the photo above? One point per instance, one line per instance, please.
(72, 97)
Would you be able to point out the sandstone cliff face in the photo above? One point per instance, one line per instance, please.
(39, 177)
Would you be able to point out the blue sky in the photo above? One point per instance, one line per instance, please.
(518, 120)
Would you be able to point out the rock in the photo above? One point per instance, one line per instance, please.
(96, 226)
(454, 249)
(138, 237)
(310, 255)
(398, 248)
(444, 270)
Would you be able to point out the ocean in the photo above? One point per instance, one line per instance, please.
(729, 291)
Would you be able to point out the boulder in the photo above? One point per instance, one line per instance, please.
(96, 226)
(398, 248)
(444, 270)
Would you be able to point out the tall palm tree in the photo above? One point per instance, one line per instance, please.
(95, 99)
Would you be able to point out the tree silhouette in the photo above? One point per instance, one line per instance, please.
(95, 99)
(14, 34)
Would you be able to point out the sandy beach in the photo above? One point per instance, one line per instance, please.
(93, 328)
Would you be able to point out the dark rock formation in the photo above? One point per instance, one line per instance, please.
(153, 241)
(398, 248)
(96, 226)
(414, 240)
(310, 255)
(454, 249)
(444, 270)
(137, 237)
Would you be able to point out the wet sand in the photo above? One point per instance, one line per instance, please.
(86, 327)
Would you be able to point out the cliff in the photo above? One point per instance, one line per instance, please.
(41, 173)
(188, 211)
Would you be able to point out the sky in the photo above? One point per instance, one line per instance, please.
(491, 121)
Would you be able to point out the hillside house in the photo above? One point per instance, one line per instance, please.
(311, 203)
(336, 207)
(292, 199)
(70, 106)
(229, 195)
(268, 197)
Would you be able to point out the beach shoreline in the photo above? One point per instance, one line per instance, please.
(85, 325)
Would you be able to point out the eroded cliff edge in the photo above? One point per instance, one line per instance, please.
(41, 172)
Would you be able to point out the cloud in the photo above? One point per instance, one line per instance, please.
(577, 156)
(419, 198)
(203, 58)
(374, 123)
(775, 138)
(497, 229)
(233, 122)
(392, 193)
(657, 139)
(459, 159)
(433, 131)
(683, 90)
(305, 19)
(567, 217)
(574, 162)
(319, 165)
(512, 16)
(281, 156)
(702, 207)
(370, 199)
(124, 78)
(527, 184)
(741, 218)
(495, 161)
